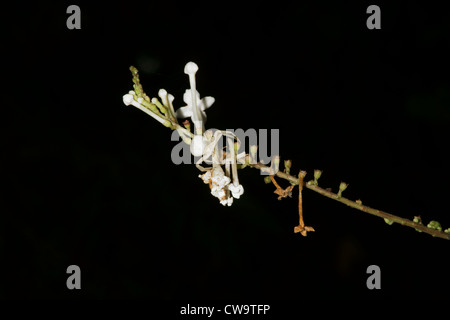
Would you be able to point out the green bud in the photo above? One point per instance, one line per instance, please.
(276, 161)
(246, 162)
(342, 188)
(317, 174)
(447, 230)
(434, 225)
(161, 108)
(389, 222)
(133, 70)
(247, 159)
(137, 85)
(253, 151)
(418, 220)
(287, 166)
(267, 179)
(152, 107)
(237, 145)
(359, 202)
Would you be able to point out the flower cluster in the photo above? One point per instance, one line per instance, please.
(224, 184)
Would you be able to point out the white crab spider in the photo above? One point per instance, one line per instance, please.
(219, 180)
(210, 146)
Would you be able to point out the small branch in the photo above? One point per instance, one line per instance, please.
(358, 205)
(164, 113)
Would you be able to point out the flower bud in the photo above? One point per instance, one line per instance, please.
(276, 164)
(287, 166)
(434, 225)
(253, 151)
(343, 186)
(317, 174)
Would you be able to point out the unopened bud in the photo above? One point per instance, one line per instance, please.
(317, 174)
(237, 145)
(342, 188)
(253, 151)
(434, 225)
(287, 166)
(276, 163)
(161, 108)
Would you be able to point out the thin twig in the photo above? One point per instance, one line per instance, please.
(359, 206)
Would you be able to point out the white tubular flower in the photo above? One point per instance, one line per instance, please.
(195, 109)
(195, 106)
(236, 189)
(129, 99)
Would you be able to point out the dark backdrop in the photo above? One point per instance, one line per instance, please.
(89, 181)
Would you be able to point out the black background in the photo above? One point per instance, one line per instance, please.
(89, 181)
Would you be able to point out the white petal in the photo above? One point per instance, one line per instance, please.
(184, 112)
(206, 102)
(187, 97)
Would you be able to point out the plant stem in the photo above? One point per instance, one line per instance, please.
(358, 206)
